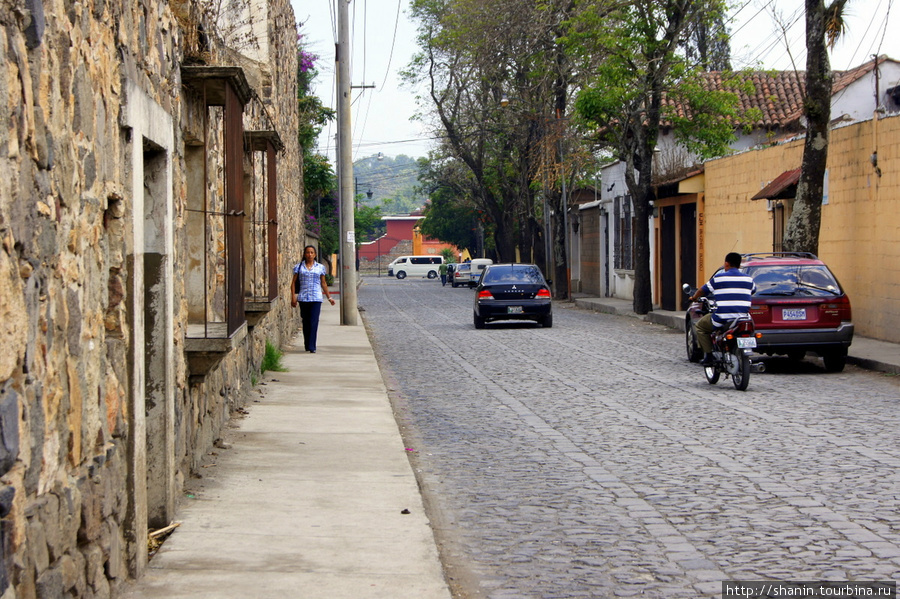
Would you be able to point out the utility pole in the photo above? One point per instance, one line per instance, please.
(347, 242)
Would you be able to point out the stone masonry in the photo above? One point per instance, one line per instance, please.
(104, 144)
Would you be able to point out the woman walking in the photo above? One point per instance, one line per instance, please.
(311, 277)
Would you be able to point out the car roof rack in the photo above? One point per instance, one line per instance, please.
(763, 255)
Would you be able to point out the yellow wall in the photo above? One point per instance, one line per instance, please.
(860, 234)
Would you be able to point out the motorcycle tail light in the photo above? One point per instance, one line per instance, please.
(729, 336)
(759, 335)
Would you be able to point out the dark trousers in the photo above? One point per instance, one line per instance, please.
(309, 312)
(443, 280)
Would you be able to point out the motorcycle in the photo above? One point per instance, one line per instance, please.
(732, 345)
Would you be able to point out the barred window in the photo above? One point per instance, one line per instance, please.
(261, 223)
(214, 218)
(624, 241)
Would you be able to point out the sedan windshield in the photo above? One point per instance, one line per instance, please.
(525, 273)
(815, 280)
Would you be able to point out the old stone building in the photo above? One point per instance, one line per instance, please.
(150, 212)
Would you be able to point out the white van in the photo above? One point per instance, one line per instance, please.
(415, 266)
(478, 265)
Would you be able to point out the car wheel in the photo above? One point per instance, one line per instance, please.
(432, 274)
(835, 360)
(454, 285)
(401, 275)
(547, 321)
(479, 322)
(694, 353)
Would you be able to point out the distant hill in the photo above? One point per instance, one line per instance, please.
(392, 182)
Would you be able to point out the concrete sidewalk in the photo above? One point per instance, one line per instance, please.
(867, 353)
(308, 499)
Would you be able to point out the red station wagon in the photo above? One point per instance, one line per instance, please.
(799, 306)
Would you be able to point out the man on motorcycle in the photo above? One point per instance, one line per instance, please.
(732, 291)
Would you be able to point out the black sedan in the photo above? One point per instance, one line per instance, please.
(512, 292)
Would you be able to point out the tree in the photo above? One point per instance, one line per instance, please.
(366, 221)
(319, 181)
(449, 215)
(823, 26)
(708, 45)
(475, 54)
(639, 42)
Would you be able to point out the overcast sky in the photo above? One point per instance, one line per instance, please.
(383, 41)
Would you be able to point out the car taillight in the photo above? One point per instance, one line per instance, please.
(485, 294)
(543, 294)
(842, 306)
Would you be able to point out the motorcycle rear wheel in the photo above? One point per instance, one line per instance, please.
(741, 375)
(712, 374)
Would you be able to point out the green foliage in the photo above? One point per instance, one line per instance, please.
(639, 44)
(706, 127)
(450, 221)
(392, 181)
(322, 221)
(367, 221)
(318, 176)
(319, 181)
(448, 254)
(272, 359)
(313, 114)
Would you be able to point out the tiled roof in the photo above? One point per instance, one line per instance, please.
(778, 95)
(773, 190)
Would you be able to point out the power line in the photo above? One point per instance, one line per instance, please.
(393, 43)
(868, 28)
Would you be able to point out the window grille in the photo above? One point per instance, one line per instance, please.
(624, 243)
(214, 217)
(261, 226)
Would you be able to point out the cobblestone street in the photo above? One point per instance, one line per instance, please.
(593, 460)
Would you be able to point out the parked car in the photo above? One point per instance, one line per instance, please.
(462, 275)
(478, 265)
(512, 292)
(799, 307)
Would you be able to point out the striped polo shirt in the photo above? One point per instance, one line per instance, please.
(732, 291)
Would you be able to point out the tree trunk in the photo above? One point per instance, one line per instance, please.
(504, 234)
(560, 262)
(643, 298)
(802, 234)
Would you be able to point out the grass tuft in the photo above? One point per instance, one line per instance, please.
(272, 359)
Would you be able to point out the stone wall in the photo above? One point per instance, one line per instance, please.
(94, 258)
(403, 248)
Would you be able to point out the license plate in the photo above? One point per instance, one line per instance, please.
(793, 314)
(746, 342)
(514, 309)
